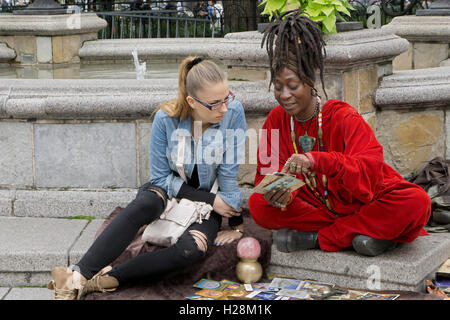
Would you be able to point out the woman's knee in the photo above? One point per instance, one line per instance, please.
(418, 212)
(192, 246)
(200, 240)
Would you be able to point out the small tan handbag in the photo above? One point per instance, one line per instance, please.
(178, 215)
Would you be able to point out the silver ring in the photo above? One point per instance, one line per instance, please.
(292, 166)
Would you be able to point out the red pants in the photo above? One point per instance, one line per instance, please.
(398, 215)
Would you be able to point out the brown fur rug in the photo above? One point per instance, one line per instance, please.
(219, 264)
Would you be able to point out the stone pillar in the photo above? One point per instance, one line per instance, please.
(51, 39)
(355, 63)
(429, 38)
(412, 121)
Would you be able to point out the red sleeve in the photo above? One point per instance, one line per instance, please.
(272, 154)
(359, 168)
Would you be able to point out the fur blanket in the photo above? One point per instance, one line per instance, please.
(219, 264)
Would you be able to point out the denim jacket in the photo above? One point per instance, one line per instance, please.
(217, 154)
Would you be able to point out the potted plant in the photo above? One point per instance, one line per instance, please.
(325, 12)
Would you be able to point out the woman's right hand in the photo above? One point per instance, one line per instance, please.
(222, 208)
(278, 198)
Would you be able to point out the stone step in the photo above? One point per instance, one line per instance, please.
(404, 268)
(26, 294)
(71, 203)
(43, 234)
(30, 247)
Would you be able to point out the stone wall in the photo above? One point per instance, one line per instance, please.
(65, 142)
(61, 134)
(429, 39)
(411, 138)
(51, 49)
(66, 135)
(422, 55)
(412, 117)
(44, 39)
(65, 154)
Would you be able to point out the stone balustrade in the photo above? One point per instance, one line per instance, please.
(81, 134)
(412, 121)
(48, 39)
(355, 62)
(94, 134)
(429, 39)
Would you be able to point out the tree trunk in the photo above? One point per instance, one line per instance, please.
(240, 15)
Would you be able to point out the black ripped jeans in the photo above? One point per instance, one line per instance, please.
(145, 208)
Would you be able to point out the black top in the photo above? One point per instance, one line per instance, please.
(190, 191)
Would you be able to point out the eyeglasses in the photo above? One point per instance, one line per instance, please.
(217, 105)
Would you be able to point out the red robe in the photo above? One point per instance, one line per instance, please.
(369, 196)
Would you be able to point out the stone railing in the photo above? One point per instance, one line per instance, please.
(66, 136)
(355, 60)
(65, 142)
(429, 39)
(412, 124)
(46, 39)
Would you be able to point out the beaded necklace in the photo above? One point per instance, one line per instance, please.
(310, 178)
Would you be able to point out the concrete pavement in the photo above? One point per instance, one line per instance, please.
(30, 246)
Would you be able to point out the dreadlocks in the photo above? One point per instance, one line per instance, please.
(298, 46)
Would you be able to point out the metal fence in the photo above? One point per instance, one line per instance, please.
(146, 18)
(156, 24)
(230, 16)
(388, 9)
(190, 19)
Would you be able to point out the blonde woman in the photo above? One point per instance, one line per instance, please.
(208, 114)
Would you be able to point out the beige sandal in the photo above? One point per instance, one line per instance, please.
(71, 285)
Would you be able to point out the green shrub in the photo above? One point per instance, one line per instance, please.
(325, 12)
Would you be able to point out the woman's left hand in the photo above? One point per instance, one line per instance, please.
(296, 164)
(226, 237)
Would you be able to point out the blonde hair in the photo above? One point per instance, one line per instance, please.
(192, 77)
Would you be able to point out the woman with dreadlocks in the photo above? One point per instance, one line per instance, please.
(351, 198)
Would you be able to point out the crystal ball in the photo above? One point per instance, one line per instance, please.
(248, 247)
